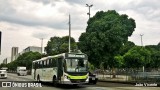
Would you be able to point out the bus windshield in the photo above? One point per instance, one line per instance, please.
(76, 65)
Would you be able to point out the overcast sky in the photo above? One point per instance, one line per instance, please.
(24, 22)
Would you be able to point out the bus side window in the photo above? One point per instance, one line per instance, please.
(37, 64)
(41, 64)
(47, 63)
(33, 65)
(44, 64)
(54, 62)
(50, 62)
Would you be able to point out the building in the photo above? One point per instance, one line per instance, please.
(14, 53)
(33, 49)
(7, 60)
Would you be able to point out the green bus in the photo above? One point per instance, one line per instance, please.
(65, 68)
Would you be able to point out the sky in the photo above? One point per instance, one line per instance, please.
(24, 22)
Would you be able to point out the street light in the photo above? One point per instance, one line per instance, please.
(141, 39)
(142, 46)
(89, 6)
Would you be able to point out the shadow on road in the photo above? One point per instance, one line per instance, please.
(63, 86)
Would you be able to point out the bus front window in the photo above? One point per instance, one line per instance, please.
(76, 65)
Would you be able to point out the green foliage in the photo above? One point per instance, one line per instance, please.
(91, 67)
(126, 46)
(119, 61)
(155, 55)
(137, 57)
(3, 65)
(155, 62)
(12, 65)
(105, 34)
(58, 45)
(24, 60)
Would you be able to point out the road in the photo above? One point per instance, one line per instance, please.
(48, 86)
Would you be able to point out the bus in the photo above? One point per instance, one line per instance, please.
(65, 68)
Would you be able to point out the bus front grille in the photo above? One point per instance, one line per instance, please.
(77, 80)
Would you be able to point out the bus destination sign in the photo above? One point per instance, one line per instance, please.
(76, 55)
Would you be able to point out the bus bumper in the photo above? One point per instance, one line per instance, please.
(75, 81)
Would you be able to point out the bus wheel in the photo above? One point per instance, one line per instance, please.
(54, 81)
(38, 78)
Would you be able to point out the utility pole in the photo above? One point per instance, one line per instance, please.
(89, 6)
(0, 41)
(69, 48)
(142, 46)
(41, 45)
(141, 39)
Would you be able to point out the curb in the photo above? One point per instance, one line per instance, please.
(123, 82)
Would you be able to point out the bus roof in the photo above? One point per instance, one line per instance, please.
(48, 57)
(58, 55)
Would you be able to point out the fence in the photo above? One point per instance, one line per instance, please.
(129, 75)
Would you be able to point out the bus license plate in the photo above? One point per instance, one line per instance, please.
(93, 78)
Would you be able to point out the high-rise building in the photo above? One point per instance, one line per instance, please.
(33, 49)
(5, 61)
(14, 53)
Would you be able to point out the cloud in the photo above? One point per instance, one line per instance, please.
(76, 1)
(150, 9)
(31, 13)
(39, 16)
(23, 22)
(45, 2)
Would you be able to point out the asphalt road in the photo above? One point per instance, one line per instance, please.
(48, 86)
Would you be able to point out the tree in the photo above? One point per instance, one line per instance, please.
(137, 57)
(126, 47)
(155, 62)
(105, 34)
(58, 45)
(24, 60)
(119, 61)
(155, 55)
(3, 65)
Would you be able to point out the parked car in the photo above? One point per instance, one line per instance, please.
(3, 74)
(92, 78)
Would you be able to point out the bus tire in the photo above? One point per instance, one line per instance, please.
(54, 81)
(38, 78)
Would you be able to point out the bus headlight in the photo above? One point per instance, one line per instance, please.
(66, 77)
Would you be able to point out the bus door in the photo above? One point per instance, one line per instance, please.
(44, 70)
(60, 68)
